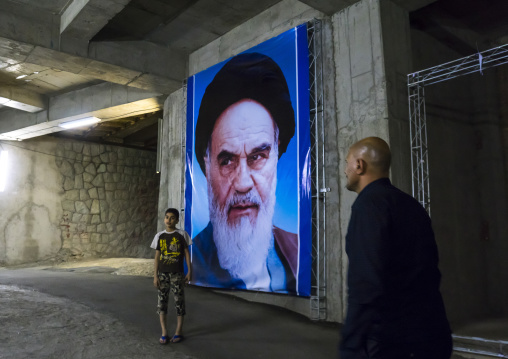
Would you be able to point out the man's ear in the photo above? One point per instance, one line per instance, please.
(361, 166)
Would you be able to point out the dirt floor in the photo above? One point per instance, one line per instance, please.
(37, 325)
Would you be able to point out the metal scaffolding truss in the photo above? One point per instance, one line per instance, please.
(417, 117)
(318, 185)
(419, 152)
(466, 65)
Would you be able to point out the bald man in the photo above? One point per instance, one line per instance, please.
(395, 309)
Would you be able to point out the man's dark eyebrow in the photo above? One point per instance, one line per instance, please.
(262, 148)
(225, 154)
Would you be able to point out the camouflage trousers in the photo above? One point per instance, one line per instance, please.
(171, 282)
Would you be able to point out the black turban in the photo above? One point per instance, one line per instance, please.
(246, 76)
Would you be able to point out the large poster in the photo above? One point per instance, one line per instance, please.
(247, 194)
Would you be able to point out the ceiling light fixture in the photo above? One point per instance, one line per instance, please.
(80, 123)
(21, 76)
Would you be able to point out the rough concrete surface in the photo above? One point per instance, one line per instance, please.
(39, 325)
(106, 308)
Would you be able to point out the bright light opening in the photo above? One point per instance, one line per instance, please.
(80, 123)
(3, 170)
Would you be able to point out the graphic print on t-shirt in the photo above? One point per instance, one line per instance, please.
(171, 253)
(172, 249)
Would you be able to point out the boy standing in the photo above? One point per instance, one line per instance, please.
(171, 247)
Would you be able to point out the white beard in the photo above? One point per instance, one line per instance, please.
(242, 248)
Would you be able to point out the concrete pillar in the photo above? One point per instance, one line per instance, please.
(370, 100)
(489, 121)
(172, 167)
(502, 268)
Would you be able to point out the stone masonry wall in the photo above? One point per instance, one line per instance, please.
(109, 201)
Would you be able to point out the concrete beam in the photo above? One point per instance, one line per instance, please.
(28, 24)
(31, 35)
(330, 7)
(105, 101)
(23, 52)
(22, 99)
(451, 32)
(145, 57)
(412, 5)
(119, 135)
(82, 19)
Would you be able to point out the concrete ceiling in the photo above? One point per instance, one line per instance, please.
(62, 60)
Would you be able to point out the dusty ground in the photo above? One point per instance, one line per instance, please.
(34, 324)
(120, 266)
(37, 325)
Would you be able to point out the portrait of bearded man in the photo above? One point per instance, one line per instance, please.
(244, 126)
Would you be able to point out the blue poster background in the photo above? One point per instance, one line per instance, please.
(293, 198)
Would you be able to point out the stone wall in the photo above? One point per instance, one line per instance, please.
(66, 198)
(110, 199)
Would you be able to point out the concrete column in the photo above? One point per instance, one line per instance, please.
(370, 100)
(172, 167)
(502, 73)
(489, 123)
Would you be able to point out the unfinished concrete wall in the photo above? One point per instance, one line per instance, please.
(369, 96)
(502, 250)
(73, 198)
(172, 167)
(270, 23)
(467, 185)
(489, 164)
(30, 205)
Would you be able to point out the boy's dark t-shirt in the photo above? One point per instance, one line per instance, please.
(172, 247)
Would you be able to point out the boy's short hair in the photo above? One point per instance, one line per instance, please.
(174, 211)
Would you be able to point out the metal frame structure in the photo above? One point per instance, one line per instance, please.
(417, 116)
(419, 153)
(318, 183)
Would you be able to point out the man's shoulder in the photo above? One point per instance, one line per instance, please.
(287, 243)
(204, 236)
(286, 236)
(204, 249)
(382, 196)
